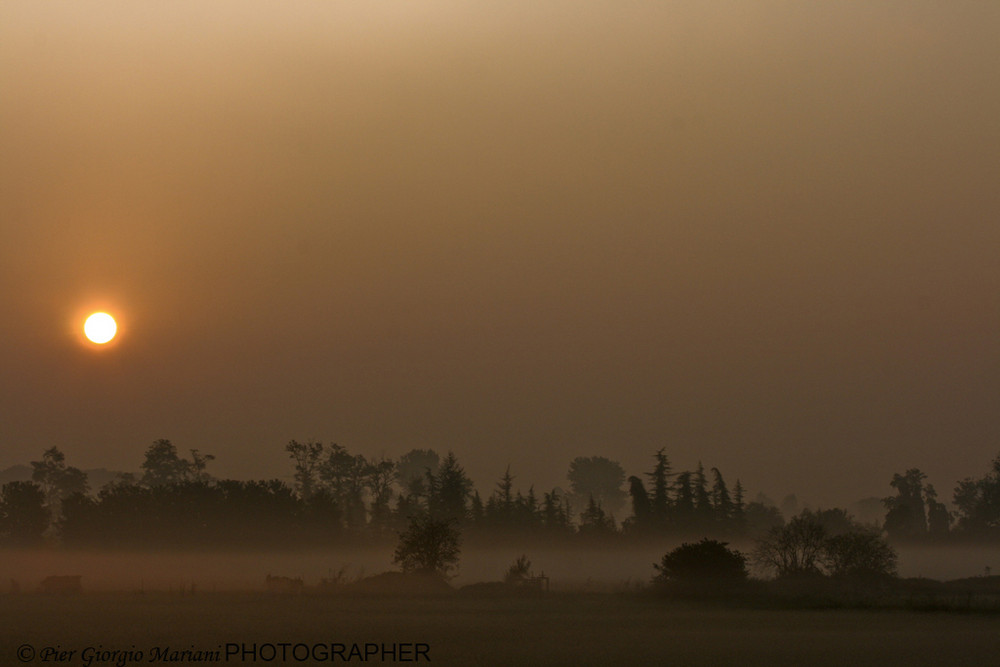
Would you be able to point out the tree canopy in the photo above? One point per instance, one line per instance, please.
(428, 546)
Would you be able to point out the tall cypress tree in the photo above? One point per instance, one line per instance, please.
(476, 510)
(739, 506)
(722, 503)
(453, 488)
(660, 481)
(500, 507)
(702, 499)
(642, 509)
(685, 504)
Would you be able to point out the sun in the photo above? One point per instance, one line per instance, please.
(100, 328)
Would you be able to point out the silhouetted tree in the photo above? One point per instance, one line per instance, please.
(57, 480)
(162, 466)
(859, 554)
(413, 466)
(428, 546)
(827, 540)
(938, 517)
(500, 507)
(594, 521)
(379, 476)
(835, 521)
(192, 513)
(126, 513)
(453, 489)
(526, 513)
(518, 572)
(659, 479)
(408, 505)
(684, 505)
(978, 502)
(346, 477)
(906, 517)
(702, 500)
(80, 519)
(431, 494)
(722, 503)
(23, 515)
(642, 508)
(555, 512)
(760, 517)
(177, 502)
(322, 515)
(707, 562)
(739, 509)
(266, 512)
(307, 457)
(793, 549)
(196, 469)
(790, 505)
(599, 477)
(477, 512)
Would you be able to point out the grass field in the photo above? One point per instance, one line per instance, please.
(131, 602)
(557, 629)
(598, 568)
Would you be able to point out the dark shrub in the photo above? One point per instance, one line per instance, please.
(707, 563)
(860, 554)
(428, 546)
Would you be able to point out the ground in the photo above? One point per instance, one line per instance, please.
(557, 629)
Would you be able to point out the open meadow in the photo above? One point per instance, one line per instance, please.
(157, 605)
(594, 568)
(556, 629)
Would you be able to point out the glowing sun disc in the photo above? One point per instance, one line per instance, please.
(100, 328)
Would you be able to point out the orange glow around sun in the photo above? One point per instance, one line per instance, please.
(100, 328)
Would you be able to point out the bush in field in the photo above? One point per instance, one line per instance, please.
(860, 554)
(808, 545)
(795, 549)
(429, 546)
(705, 562)
(518, 572)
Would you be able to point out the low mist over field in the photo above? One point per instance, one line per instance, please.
(569, 569)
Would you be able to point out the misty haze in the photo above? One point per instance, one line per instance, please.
(540, 333)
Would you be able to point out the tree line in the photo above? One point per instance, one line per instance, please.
(339, 496)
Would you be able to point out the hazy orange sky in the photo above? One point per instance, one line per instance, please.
(760, 234)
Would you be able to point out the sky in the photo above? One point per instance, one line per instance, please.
(759, 234)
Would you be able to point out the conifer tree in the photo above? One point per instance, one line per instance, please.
(504, 494)
(642, 509)
(432, 499)
(530, 515)
(555, 514)
(477, 513)
(702, 499)
(739, 506)
(722, 504)
(660, 482)
(594, 520)
(452, 488)
(685, 503)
